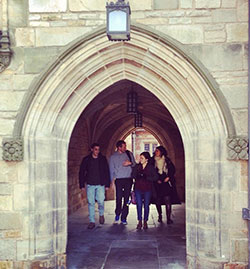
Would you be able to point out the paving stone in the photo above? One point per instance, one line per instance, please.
(122, 246)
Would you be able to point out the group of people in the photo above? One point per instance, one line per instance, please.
(152, 180)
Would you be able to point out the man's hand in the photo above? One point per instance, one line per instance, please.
(126, 163)
(166, 179)
(106, 188)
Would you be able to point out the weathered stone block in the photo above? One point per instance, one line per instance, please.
(206, 200)
(220, 58)
(224, 15)
(38, 58)
(25, 37)
(207, 4)
(44, 224)
(170, 4)
(58, 36)
(5, 202)
(186, 34)
(206, 239)
(8, 249)
(235, 266)
(6, 128)
(47, 6)
(242, 10)
(206, 218)
(228, 3)
(186, 3)
(181, 20)
(215, 36)
(10, 100)
(239, 200)
(5, 189)
(22, 82)
(10, 221)
(239, 250)
(8, 171)
(22, 249)
(12, 234)
(21, 193)
(17, 13)
(236, 95)
(237, 32)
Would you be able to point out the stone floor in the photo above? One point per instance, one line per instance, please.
(116, 246)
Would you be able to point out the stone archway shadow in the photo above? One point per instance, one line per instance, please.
(87, 67)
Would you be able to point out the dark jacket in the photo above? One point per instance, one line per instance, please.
(166, 188)
(144, 177)
(103, 167)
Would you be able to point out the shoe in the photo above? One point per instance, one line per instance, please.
(169, 221)
(91, 225)
(101, 220)
(160, 219)
(124, 222)
(145, 225)
(116, 219)
(139, 225)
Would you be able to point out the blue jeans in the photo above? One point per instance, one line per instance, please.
(95, 193)
(142, 197)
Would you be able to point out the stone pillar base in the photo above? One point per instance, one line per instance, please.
(53, 262)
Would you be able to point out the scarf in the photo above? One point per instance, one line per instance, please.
(161, 165)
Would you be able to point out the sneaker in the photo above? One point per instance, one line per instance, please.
(91, 225)
(124, 222)
(101, 220)
(116, 219)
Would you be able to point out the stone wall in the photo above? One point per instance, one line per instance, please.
(214, 32)
(78, 148)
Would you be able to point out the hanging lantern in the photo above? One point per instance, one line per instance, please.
(132, 102)
(118, 21)
(138, 119)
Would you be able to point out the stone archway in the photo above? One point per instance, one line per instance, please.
(86, 68)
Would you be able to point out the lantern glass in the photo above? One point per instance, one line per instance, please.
(117, 21)
(138, 120)
(132, 102)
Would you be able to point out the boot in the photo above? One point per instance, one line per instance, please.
(160, 218)
(168, 213)
(145, 225)
(139, 225)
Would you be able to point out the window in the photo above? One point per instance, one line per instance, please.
(154, 147)
(146, 147)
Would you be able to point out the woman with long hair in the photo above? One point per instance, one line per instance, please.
(144, 174)
(165, 186)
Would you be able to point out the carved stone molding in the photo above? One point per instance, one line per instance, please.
(237, 148)
(5, 52)
(13, 149)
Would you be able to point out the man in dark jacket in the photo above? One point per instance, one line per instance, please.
(94, 171)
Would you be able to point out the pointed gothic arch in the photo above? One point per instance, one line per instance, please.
(87, 67)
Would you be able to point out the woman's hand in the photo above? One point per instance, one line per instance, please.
(159, 182)
(166, 179)
(126, 163)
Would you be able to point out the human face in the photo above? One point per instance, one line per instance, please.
(123, 148)
(157, 153)
(95, 151)
(143, 160)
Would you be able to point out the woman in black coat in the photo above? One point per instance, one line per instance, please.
(165, 187)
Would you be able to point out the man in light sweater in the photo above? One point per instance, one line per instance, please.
(120, 165)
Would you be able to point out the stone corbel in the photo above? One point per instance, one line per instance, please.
(5, 52)
(237, 148)
(12, 149)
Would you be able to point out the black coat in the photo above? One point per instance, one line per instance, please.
(166, 188)
(104, 170)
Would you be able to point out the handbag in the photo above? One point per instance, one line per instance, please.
(133, 198)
